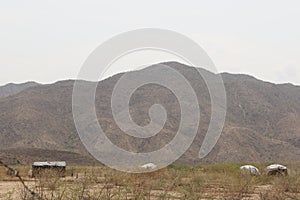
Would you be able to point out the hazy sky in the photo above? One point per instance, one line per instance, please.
(46, 41)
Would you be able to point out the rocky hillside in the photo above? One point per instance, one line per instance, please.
(262, 123)
(12, 88)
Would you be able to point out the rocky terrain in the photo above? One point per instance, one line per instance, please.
(262, 122)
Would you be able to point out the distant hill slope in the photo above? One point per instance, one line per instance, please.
(12, 88)
(262, 123)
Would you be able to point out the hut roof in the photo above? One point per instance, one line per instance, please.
(50, 164)
(250, 168)
(275, 167)
(149, 166)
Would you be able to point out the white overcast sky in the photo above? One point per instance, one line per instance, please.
(46, 41)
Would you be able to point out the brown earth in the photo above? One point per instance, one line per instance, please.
(262, 123)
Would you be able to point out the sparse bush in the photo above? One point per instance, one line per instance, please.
(176, 182)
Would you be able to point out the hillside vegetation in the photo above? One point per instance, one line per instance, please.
(262, 123)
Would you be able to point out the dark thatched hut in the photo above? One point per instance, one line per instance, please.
(57, 168)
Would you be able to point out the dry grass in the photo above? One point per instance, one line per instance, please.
(175, 182)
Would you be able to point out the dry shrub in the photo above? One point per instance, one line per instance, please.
(239, 186)
(287, 185)
(175, 182)
(271, 196)
(47, 183)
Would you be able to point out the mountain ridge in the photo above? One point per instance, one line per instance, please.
(262, 123)
(14, 88)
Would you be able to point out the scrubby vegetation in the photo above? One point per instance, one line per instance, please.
(223, 181)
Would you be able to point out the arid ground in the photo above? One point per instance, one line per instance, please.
(223, 181)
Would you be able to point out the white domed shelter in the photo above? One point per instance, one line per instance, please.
(276, 169)
(149, 166)
(251, 169)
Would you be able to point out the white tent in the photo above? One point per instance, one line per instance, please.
(251, 169)
(276, 169)
(149, 166)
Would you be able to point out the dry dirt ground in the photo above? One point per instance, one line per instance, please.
(179, 182)
(10, 189)
(15, 190)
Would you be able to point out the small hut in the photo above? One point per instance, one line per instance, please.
(250, 169)
(11, 172)
(58, 168)
(276, 170)
(149, 166)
